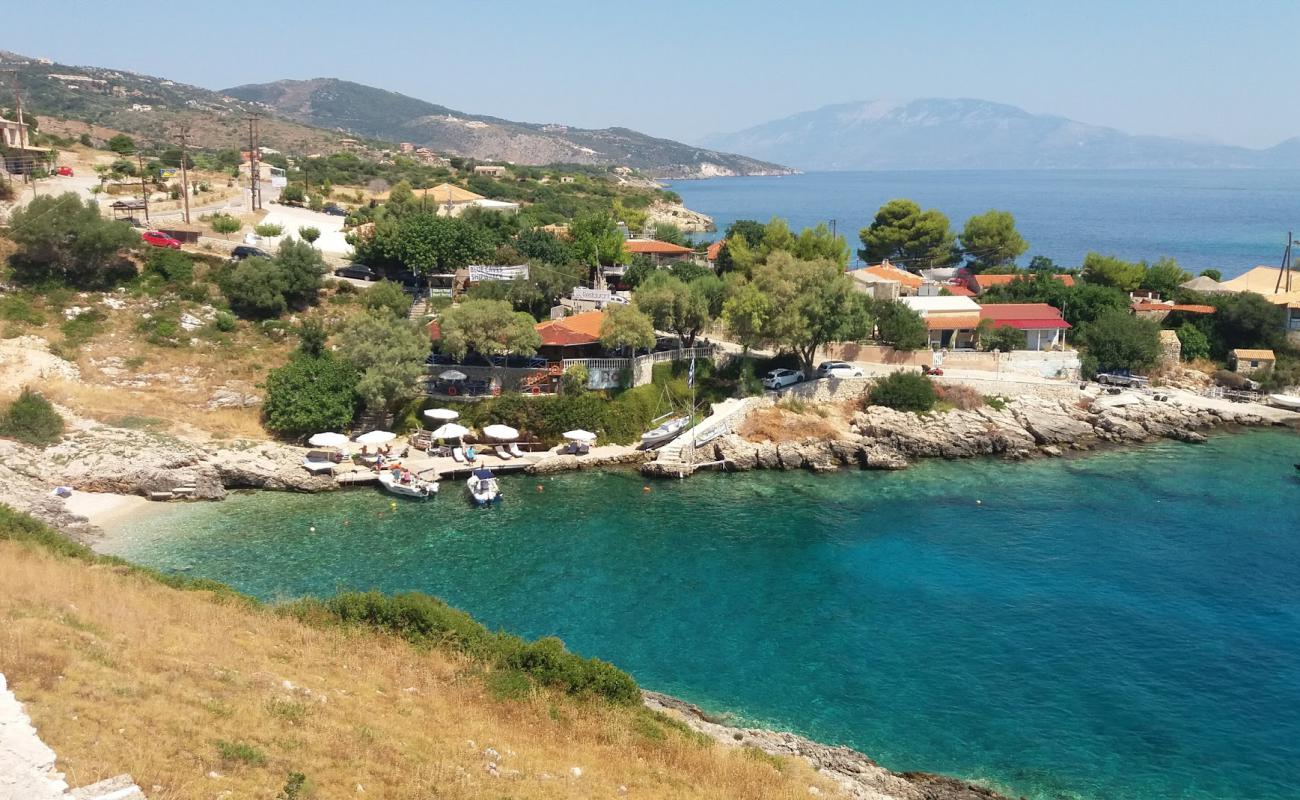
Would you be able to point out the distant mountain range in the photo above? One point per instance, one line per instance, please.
(312, 116)
(941, 133)
(379, 114)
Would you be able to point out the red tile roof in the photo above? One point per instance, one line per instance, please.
(1188, 307)
(714, 249)
(574, 331)
(889, 272)
(958, 291)
(1024, 316)
(986, 281)
(656, 247)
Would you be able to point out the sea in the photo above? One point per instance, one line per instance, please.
(1124, 624)
(1230, 220)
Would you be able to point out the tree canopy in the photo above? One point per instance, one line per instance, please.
(596, 239)
(1114, 272)
(626, 326)
(677, 306)
(62, 238)
(310, 394)
(900, 326)
(489, 328)
(903, 233)
(426, 244)
(798, 305)
(389, 354)
(1119, 340)
(1164, 277)
(990, 240)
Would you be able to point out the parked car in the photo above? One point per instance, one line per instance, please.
(778, 378)
(64, 171)
(160, 239)
(244, 251)
(838, 369)
(335, 210)
(926, 369)
(357, 271)
(1121, 378)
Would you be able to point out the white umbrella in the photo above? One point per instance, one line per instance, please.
(453, 375)
(444, 414)
(580, 435)
(450, 431)
(502, 432)
(328, 440)
(375, 437)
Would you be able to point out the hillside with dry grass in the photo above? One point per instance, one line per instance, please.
(197, 693)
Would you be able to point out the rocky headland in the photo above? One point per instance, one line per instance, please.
(882, 438)
(857, 776)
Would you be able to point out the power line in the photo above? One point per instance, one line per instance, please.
(184, 138)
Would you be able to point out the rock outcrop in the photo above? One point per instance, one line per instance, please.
(858, 776)
(562, 462)
(882, 438)
(679, 215)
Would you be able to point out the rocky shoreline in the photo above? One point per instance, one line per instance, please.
(857, 775)
(882, 438)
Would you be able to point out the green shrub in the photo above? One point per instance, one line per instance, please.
(575, 380)
(241, 752)
(387, 295)
(255, 289)
(268, 229)
(309, 395)
(224, 321)
(161, 330)
(903, 391)
(31, 419)
(1194, 343)
(427, 621)
(79, 330)
(18, 308)
(1004, 338)
(173, 266)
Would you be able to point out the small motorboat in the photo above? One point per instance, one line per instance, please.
(483, 487)
(665, 432)
(1287, 401)
(415, 487)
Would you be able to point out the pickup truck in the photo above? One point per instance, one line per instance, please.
(1122, 379)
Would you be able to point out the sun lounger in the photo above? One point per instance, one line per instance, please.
(502, 452)
(515, 451)
(458, 454)
(316, 467)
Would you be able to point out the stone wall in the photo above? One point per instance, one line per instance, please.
(1011, 386)
(1171, 349)
(1043, 363)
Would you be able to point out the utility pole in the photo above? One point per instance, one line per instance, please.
(834, 223)
(1286, 266)
(184, 139)
(254, 179)
(144, 190)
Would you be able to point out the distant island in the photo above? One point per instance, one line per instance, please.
(941, 133)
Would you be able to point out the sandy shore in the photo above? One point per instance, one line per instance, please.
(108, 511)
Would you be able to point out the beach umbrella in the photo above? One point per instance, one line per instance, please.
(453, 375)
(450, 431)
(375, 437)
(502, 432)
(444, 414)
(328, 440)
(580, 435)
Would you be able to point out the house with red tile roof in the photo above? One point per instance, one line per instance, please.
(658, 252)
(1043, 325)
(576, 336)
(715, 249)
(980, 283)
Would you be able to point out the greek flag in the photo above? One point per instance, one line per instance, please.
(690, 376)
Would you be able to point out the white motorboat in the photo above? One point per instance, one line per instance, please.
(1287, 401)
(665, 432)
(483, 487)
(417, 488)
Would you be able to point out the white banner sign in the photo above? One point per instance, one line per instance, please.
(595, 295)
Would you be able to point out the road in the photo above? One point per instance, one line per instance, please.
(291, 218)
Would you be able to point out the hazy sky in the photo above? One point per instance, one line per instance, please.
(1216, 70)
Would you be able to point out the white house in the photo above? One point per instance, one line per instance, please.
(951, 320)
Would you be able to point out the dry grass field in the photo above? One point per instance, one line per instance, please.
(199, 697)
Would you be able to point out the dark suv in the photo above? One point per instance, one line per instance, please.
(244, 251)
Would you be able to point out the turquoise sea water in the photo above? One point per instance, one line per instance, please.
(1228, 219)
(1121, 625)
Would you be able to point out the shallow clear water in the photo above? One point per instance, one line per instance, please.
(1121, 625)
(1227, 219)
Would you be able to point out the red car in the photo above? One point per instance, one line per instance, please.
(160, 239)
(65, 171)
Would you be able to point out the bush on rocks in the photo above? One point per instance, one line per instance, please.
(903, 391)
(31, 419)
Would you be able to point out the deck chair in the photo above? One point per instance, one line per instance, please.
(502, 452)
(515, 451)
(458, 453)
